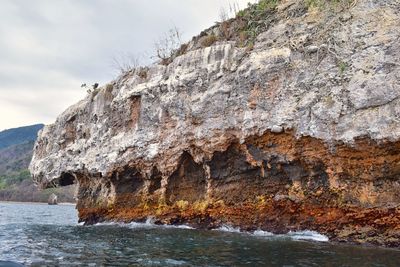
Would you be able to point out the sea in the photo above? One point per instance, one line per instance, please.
(44, 235)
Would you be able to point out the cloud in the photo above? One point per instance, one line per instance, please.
(48, 48)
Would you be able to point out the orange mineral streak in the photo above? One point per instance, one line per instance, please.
(274, 182)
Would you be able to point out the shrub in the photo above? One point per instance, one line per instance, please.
(342, 67)
(109, 87)
(125, 63)
(249, 23)
(323, 4)
(142, 72)
(225, 14)
(168, 45)
(264, 5)
(209, 40)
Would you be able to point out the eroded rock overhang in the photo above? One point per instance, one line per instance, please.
(309, 116)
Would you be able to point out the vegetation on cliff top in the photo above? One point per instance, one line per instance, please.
(256, 18)
(242, 29)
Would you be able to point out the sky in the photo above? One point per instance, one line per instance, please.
(48, 48)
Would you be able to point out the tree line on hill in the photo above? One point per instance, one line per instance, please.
(16, 149)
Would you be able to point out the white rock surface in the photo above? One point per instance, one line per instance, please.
(321, 75)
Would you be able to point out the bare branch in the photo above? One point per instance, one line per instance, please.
(125, 62)
(166, 46)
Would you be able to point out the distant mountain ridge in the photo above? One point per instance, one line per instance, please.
(16, 148)
(19, 135)
(15, 158)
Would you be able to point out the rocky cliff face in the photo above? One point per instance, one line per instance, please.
(299, 131)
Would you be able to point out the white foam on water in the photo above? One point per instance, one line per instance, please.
(136, 225)
(262, 233)
(182, 226)
(175, 262)
(150, 220)
(228, 228)
(294, 235)
(149, 223)
(297, 235)
(308, 235)
(132, 225)
(103, 224)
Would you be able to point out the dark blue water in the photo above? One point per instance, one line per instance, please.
(42, 235)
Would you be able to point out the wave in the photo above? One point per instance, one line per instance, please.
(308, 235)
(294, 235)
(228, 228)
(149, 223)
(262, 233)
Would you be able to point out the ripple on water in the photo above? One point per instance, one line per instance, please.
(149, 224)
(294, 235)
(58, 241)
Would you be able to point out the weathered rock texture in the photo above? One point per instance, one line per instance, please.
(300, 132)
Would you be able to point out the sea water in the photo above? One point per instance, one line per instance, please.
(43, 235)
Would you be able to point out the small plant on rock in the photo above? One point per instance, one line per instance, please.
(342, 67)
(168, 45)
(209, 40)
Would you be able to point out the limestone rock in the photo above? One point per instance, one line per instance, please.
(312, 111)
(52, 199)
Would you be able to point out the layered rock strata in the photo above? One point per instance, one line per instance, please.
(300, 131)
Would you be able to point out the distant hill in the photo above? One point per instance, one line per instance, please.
(15, 158)
(16, 148)
(19, 135)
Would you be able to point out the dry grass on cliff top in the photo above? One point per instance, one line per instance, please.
(242, 29)
(248, 23)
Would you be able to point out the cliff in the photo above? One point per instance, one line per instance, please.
(290, 124)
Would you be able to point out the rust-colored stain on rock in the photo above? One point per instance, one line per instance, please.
(274, 182)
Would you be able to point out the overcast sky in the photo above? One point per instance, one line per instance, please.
(48, 48)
